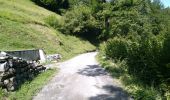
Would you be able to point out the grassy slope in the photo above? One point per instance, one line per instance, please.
(22, 26)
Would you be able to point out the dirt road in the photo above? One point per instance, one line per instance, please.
(81, 78)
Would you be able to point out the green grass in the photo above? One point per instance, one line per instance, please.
(23, 26)
(29, 89)
(132, 85)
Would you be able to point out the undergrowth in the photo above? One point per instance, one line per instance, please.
(134, 86)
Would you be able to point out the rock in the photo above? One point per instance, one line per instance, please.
(12, 79)
(4, 67)
(10, 63)
(15, 71)
(6, 82)
(1, 84)
(55, 57)
(12, 71)
(11, 87)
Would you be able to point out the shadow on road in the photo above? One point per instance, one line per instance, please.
(92, 70)
(114, 93)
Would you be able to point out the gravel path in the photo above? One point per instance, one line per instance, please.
(81, 78)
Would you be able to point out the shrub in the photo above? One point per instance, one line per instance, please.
(79, 21)
(144, 60)
(52, 21)
(117, 48)
(143, 56)
(165, 59)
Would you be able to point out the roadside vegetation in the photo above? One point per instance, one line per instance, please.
(132, 84)
(140, 40)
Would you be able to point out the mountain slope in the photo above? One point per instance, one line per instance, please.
(23, 26)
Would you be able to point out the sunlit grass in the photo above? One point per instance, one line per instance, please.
(23, 26)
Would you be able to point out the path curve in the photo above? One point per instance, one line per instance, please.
(81, 78)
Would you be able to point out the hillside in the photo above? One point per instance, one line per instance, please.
(23, 26)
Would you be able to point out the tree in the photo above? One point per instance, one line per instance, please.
(53, 5)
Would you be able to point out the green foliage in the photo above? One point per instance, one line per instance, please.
(54, 5)
(85, 2)
(117, 48)
(147, 59)
(134, 86)
(144, 56)
(2, 94)
(143, 40)
(165, 59)
(58, 5)
(80, 21)
(144, 60)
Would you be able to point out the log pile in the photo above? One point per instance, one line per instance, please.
(15, 71)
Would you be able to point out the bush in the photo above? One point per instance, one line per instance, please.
(117, 48)
(80, 21)
(52, 21)
(165, 59)
(143, 57)
(144, 60)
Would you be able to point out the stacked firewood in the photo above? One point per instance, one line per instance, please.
(15, 71)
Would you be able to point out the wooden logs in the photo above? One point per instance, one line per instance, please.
(15, 71)
(4, 67)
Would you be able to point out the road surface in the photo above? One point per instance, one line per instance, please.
(81, 78)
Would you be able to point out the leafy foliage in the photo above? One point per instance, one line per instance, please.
(117, 48)
(143, 40)
(53, 5)
(80, 21)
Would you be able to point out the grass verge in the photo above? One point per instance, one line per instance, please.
(29, 89)
(131, 84)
